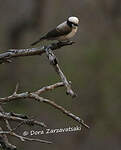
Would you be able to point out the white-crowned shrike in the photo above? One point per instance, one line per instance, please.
(63, 32)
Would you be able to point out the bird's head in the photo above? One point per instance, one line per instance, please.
(73, 22)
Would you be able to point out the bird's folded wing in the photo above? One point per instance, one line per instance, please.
(58, 32)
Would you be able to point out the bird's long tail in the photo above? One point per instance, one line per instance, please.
(41, 39)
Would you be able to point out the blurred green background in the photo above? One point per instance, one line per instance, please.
(93, 65)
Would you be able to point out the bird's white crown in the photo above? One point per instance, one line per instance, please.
(74, 20)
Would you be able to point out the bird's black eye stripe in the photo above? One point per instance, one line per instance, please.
(75, 24)
(71, 23)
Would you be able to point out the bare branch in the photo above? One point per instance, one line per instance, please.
(16, 89)
(49, 88)
(12, 53)
(25, 94)
(23, 119)
(24, 138)
(6, 121)
(18, 119)
(31, 139)
(5, 57)
(4, 142)
(34, 95)
(65, 81)
(63, 110)
(53, 60)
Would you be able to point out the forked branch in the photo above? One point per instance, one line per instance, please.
(35, 95)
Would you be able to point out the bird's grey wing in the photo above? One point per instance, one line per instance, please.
(58, 31)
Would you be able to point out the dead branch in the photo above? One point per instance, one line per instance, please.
(16, 96)
(35, 96)
(18, 118)
(63, 110)
(6, 121)
(4, 142)
(53, 61)
(8, 116)
(49, 88)
(12, 53)
(3, 137)
(6, 57)
(24, 138)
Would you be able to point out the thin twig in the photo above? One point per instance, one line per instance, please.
(49, 88)
(63, 110)
(18, 125)
(6, 121)
(16, 89)
(17, 119)
(4, 142)
(24, 138)
(65, 81)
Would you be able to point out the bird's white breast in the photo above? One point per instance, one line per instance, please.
(71, 34)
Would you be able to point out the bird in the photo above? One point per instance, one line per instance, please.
(62, 32)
